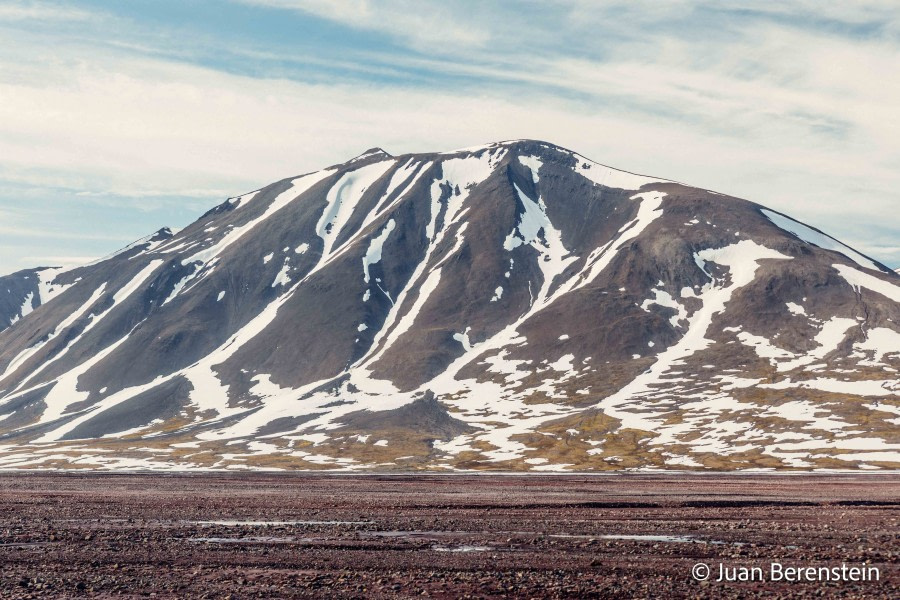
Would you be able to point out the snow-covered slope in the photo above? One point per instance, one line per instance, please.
(511, 306)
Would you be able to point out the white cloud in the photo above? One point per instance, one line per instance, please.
(43, 234)
(40, 11)
(422, 26)
(797, 119)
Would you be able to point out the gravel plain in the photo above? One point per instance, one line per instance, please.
(90, 535)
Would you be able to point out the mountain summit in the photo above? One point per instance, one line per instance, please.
(514, 306)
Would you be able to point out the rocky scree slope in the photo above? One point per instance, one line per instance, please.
(515, 306)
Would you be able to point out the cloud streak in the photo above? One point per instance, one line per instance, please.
(790, 105)
(422, 27)
(38, 11)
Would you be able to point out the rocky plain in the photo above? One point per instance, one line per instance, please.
(82, 535)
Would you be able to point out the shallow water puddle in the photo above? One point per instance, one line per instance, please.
(677, 539)
(247, 540)
(24, 544)
(461, 548)
(235, 523)
(671, 539)
(413, 534)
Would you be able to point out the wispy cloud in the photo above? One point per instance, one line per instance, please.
(426, 27)
(57, 234)
(41, 11)
(789, 104)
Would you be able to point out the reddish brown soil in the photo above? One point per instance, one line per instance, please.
(86, 535)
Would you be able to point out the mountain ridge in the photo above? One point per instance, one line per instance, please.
(528, 308)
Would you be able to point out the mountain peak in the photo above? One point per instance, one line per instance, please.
(163, 233)
(376, 151)
(520, 145)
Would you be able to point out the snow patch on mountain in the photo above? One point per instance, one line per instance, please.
(534, 164)
(283, 278)
(49, 286)
(664, 299)
(298, 187)
(400, 176)
(64, 325)
(795, 308)
(60, 389)
(531, 223)
(597, 261)
(817, 238)
(612, 178)
(373, 253)
(858, 280)
(742, 260)
(881, 342)
(28, 305)
(342, 199)
(827, 339)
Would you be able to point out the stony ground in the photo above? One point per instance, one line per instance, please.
(321, 536)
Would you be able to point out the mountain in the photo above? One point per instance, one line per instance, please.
(20, 293)
(23, 291)
(514, 306)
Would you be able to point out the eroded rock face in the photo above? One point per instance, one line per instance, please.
(514, 306)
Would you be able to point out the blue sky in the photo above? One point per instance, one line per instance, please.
(118, 118)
